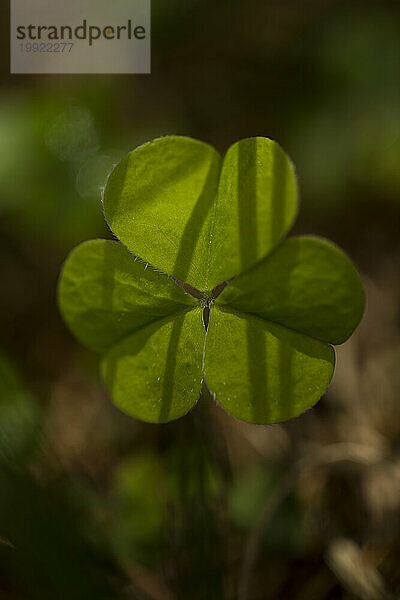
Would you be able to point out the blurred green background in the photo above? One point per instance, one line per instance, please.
(94, 504)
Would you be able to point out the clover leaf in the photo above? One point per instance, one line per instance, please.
(225, 300)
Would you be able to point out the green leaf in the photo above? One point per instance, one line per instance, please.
(256, 206)
(158, 202)
(262, 372)
(306, 284)
(156, 373)
(204, 221)
(170, 203)
(105, 294)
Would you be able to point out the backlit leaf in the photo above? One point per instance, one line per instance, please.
(104, 294)
(156, 373)
(171, 204)
(261, 372)
(256, 206)
(306, 284)
(159, 200)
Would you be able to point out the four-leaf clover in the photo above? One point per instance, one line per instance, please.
(221, 298)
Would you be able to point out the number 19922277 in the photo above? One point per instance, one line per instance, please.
(46, 47)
